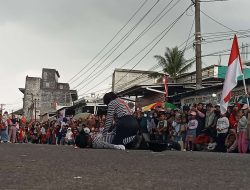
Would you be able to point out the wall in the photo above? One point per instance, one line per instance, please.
(52, 97)
(32, 92)
(124, 79)
(47, 96)
(206, 96)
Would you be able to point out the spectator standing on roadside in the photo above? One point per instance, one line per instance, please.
(242, 130)
(222, 130)
(12, 134)
(200, 117)
(191, 131)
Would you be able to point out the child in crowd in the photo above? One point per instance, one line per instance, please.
(162, 128)
(176, 129)
(48, 132)
(231, 142)
(21, 135)
(183, 131)
(191, 131)
(211, 145)
(222, 129)
(69, 138)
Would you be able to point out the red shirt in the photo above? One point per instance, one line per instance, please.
(232, 121)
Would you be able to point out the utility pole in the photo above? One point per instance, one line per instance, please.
(35, 109)
(198, 44)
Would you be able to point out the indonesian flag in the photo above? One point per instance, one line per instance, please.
(234, 70)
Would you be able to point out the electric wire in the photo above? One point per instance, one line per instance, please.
(153, 23)
(110, 40)
(143, 32)
(117, 45)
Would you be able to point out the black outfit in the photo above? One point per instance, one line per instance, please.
(82, 139)
(126, 128)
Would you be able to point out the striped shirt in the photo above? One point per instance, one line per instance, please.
(116, 109)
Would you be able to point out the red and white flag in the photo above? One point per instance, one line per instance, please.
(234, 70)
(166, 84)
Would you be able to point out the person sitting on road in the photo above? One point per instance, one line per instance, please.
(125, 127)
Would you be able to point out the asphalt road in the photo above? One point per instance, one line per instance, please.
(27, 166)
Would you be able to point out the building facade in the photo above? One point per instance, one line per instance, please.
(126, 78)
(43, 95)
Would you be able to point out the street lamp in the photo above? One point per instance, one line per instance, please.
(214, 95)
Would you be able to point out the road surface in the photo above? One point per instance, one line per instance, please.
(28, 166)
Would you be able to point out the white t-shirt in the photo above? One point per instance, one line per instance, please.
(69, 135)
(223, 125)
(43, 131)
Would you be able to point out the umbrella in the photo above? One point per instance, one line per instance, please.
(242, 100)
(83, 116)
(169, 105)
(152, 106)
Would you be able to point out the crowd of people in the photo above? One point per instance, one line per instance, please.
(199, 127)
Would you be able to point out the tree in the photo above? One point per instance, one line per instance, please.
(173, 63)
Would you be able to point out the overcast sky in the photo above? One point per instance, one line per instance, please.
(66, 35)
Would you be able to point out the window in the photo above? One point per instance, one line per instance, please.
(47, 84)
(60, 86)
(45, 74)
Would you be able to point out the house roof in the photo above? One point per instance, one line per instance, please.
(173, 88)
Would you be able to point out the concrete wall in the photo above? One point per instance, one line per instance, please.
(50, 98)
(123, 79)
(47, 92)
(206, 96)
(32, 92)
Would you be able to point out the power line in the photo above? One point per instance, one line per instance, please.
(111, 39)
(189, 36)
(224, 33)
(220, 40)
(119, 43)
(165, 30)
(137, 78)
(101, 70)
(217, 21)
(136, 39)
(170, 27)
(115, 47)
(212, 1)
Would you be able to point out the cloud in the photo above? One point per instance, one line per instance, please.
(66, 35)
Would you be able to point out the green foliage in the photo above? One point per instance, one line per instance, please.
(172, 63)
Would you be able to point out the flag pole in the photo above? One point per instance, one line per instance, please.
(244, 83)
